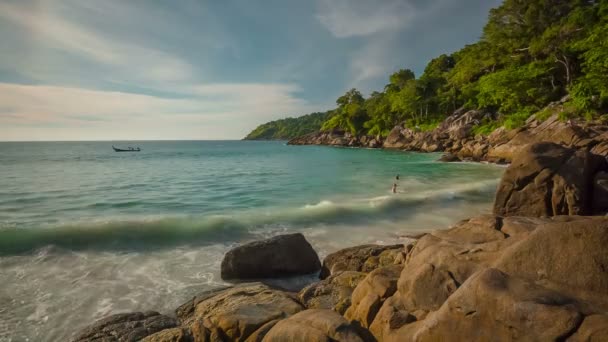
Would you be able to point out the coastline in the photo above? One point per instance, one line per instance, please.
(166, 251)
(456, 138)
(485, 277)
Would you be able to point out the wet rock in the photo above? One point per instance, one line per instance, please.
(283, 255)
(364, 258)
(126, 327)
(395, 139)
(313, 325)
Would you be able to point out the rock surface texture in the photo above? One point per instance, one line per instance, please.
(333, 292)
(126, 327)
(236, 313)
(313, 326)
(546, 179)
(364, 258)
(283, 255)
(500, 279)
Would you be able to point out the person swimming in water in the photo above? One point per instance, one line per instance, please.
(394, 188)
(397, 178)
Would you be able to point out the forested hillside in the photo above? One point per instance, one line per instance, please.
(531, 53)
(289, 128)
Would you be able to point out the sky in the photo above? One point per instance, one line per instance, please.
(206, 69)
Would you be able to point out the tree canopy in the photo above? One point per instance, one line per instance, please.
(289, 128)
(532, 52)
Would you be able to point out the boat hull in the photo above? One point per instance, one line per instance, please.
(122, 150)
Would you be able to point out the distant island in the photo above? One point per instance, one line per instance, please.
(289, 128)
(531, 54)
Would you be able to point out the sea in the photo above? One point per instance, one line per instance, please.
(86, 231)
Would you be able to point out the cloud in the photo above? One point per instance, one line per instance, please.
(427, 29)
(349, 18)
(210, 111)
(375, 59)
(205, 69)
(128, 59)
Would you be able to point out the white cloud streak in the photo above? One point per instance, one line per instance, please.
(383, 28)
(56, 112)
(75, 114)
(128, 58)
(350, 18)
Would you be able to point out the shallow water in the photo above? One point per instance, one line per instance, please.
(85, 231)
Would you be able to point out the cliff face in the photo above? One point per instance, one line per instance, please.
(455, 135)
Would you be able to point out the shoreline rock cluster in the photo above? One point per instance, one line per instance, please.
(455, 136)
(533, 270)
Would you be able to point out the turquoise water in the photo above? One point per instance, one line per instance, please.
(85, 231)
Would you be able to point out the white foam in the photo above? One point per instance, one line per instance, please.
(322, 204)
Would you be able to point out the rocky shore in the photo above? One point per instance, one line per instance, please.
(455, 136)
(534, 270)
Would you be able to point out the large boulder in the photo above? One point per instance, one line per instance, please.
(473, 150)
(280, 256)
(459, 125)
(499, 278)
(569, 252)
(494, 306)
(126, 327)
(236, 313)
(438, 263)
(546, 179)
(395, 139)
(364, 258)
(333, 292)
(313, 326)
(553, 130)
(369, 295)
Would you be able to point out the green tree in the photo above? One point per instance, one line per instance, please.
(350, 115)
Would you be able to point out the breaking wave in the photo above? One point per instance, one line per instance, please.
(200, 230)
